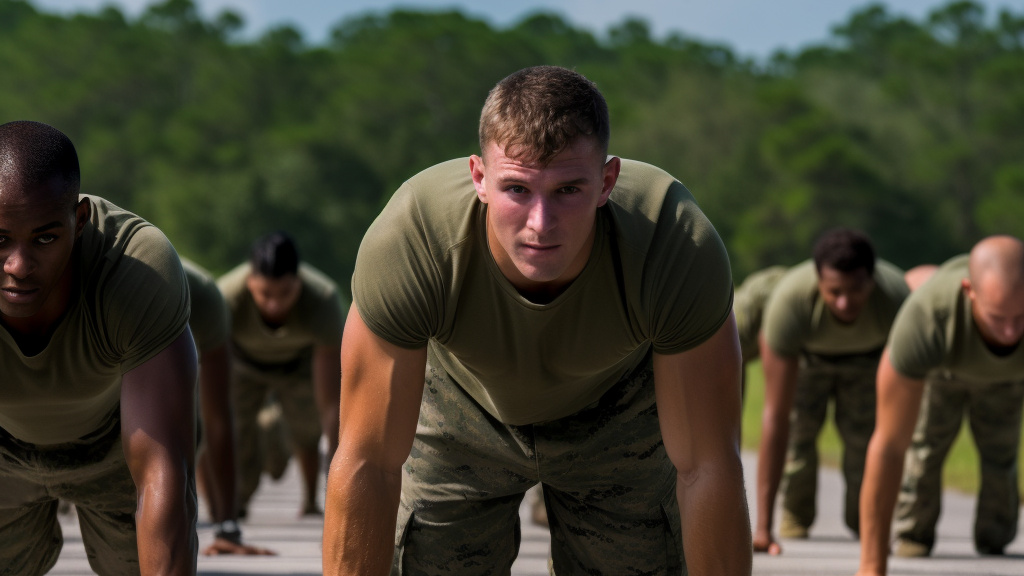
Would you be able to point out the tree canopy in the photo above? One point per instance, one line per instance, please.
(909, 130)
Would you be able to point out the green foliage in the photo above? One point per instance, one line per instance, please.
(907, 129)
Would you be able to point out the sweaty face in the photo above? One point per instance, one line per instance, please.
(274, 297)
(845, 293)
(998, 312)
(541, 219)
(38, 229)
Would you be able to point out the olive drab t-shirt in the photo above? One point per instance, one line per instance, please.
(317, 319)
(748, 306)
(935, 330)
(130, 302)
(796, 319)
(209, 320)
(658, 278)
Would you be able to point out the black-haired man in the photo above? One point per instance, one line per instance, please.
(98, 372)
(824, 328)
(286, 323)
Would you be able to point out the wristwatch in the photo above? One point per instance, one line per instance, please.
(228, 530)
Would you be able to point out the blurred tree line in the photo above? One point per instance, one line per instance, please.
(909, 130)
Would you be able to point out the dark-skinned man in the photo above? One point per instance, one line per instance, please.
(286, 324)
(210, 324)
(99, 370)
(824, 328)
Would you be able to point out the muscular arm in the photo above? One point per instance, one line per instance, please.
(217, 461)
(326, 373)
(158, 435)
(780, 384)
(381, 389)
(698, 395)
(899, 400)
(218, 428)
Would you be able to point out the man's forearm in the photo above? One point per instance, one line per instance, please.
(771, 459)
(326, 378)
(882, 473)
(166, 523)
(359, 518)
(715, 521)
(220, 449)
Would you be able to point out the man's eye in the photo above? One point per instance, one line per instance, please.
(568, 190)
(46, 238)
(516, 189)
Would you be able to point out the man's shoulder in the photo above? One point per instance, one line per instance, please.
(232, 283)
(434, 208)
(651, 212)
(642, 190)
(889, 279)
(940, 293)
(116, 242)
(798, 285)
(201, 285)
(317, 282)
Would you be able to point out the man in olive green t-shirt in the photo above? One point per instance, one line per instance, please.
(98, 372)
(957, 340)
(824, 328)
(540, 313)
(210, 321)
(286, 324)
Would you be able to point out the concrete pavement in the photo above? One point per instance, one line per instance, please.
(831, 550)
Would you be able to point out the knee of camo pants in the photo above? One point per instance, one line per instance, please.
(606, 481)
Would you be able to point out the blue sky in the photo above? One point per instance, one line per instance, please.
(751, 27)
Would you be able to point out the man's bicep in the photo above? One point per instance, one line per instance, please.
(698, 395)
(158, 404)
(381, 390)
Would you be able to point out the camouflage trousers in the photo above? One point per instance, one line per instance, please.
(849, 383)
(90, 473)
(609, 487)
(994, 415)
(250, 390)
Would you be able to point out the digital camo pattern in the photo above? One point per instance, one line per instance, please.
(994, 415)
(91, 474)
(250, 389)
(849, 383)
(608, 485)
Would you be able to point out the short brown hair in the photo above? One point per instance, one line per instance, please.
(538, 112)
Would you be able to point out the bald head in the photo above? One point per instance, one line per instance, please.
(996, 290)
(34, 155)
(997, 261)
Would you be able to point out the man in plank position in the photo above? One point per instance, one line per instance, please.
(571, 313)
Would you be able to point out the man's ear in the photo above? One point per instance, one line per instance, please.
(968, 289)
(476, 169)
(83, 211)
(609, 175)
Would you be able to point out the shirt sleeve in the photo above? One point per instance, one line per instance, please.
(787, 317)
(396, 284)
(209, 318)
(693, 275)
(143, 297)
(917, 340)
